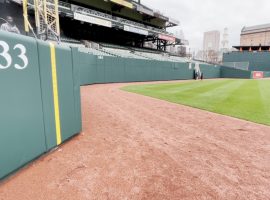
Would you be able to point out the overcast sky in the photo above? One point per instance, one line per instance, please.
(199, 16)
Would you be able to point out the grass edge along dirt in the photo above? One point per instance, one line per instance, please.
(240, 98)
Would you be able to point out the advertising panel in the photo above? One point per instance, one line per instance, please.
(166, 37)
(135, 30)
(258, 75)
(92, 20)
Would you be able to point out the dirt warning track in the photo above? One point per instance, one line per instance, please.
(136, 147)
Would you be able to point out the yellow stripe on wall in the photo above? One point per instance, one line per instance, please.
(55, 96)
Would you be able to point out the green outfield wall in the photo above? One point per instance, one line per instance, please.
(258, 61)
(227, 72)
(210, 71)
(96, 69)
(40, 99)
(266, 74)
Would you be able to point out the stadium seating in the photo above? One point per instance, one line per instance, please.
(112, 50)
(137, 53)
(125, 53)
(96, 52)
(180, 59)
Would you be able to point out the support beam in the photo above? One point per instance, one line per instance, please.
(47, 19)
(25, 16)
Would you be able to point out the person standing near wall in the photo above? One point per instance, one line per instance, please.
(10, 26)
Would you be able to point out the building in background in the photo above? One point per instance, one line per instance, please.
(211, 40)
(254, 51)
(211, 43)
(225, 40)
(224, 44)
(255, 36)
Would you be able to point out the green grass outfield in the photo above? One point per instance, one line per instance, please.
(244, 99)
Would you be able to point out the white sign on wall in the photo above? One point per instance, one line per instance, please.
(135, 30)
(92, 20)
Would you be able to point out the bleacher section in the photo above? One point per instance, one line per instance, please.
(137, 53)
(66, 44)
(180, 59)
(98, 52)
(112, 50)
(124, 53)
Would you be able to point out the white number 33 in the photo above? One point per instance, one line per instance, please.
(8, 59)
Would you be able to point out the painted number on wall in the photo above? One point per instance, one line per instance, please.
(5, 55)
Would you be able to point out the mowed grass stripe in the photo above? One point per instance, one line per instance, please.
(244, 103)
(206, 101)
(187, 86)
(264, 87)
(186, 92)
(245, 99)
(201, 87)
(165, 91)
(168, 87)
(207, 91)
(194, 96)
(224, 94)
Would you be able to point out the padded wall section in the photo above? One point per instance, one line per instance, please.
(40, 103)
(87, 65)
(227, 72)
(77, 96)
(69, 108)
(210, 71)
(21, 120)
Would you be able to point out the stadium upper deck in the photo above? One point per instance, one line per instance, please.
(120, 22)
(133, 10)
(143, 23)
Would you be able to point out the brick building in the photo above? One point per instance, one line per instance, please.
(255, 35)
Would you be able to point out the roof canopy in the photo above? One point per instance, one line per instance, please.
(257, 28)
